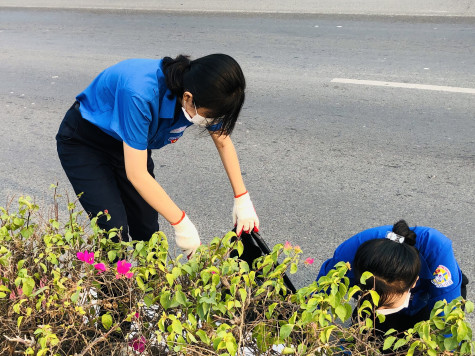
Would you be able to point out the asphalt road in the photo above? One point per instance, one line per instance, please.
(322, 160)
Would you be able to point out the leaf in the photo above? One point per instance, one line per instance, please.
(106, 320)
(462, 332)
(425, 332)
(240, 247)
(341, 311)
(170, 278)
(469, 306)
(112, 255)
(139, 246)
(176, 326)
(68, 235)
(353, 290)
(328, 331)
(140, 283)
(180, 297)
(153, 241)
(231, 346)
(243, 293)
(288, 351)
(28, 286)
(388, 342)
(165, 299)
(466, 349)
(203, 337)
(439, 323)
(302, 348)
(20, 264)
(293, 268)
(399, 343)
(374, 297)
(390, 331)
(365, 276)
(148, 299)
(450, 343)
(271, 310)
(43, 266)
(75, 296)
(285, 330)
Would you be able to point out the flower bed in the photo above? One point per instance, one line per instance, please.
(68, 289)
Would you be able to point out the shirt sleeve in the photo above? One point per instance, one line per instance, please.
(215, 127)
(132, 118)
(343, 253)
(447, 276)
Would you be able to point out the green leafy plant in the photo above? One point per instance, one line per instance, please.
(70, 289)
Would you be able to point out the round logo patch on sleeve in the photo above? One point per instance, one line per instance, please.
(442, 277)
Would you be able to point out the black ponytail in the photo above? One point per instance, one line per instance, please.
(402, 229)
(174, 70)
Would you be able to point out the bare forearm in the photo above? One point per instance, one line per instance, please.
(230, 160)
(147, 186)
(156, 197)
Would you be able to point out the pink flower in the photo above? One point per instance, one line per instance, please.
(19, 292)
(43, 282)
(137, 315)
(139, 344)
(287, 245)
(297, 249)
(106, 211)
(309, 261)
(86, 257)
(100, 267)
(123, 268)
(213, 272)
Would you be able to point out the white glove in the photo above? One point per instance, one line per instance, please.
(186, 236)
(244, 215)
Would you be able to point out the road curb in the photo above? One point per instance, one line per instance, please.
(426, 8)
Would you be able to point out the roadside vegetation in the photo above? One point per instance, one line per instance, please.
(66, 288)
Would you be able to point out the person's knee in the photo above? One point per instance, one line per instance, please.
(143, 222)
(143, 231)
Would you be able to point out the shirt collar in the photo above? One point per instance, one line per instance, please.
(167, 107)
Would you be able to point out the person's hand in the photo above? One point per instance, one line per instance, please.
(186, 235)
(244, 215)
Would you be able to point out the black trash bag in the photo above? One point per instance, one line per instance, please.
(255, 247)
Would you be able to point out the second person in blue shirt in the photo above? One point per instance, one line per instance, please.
(413, 268)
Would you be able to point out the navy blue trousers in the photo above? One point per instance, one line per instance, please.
(94, 164)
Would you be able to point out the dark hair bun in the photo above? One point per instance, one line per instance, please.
(402, 229)
(174, 70)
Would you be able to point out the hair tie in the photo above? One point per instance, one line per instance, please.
(395, 237)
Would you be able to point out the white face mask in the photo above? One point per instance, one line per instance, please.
(395, 310)
(197, 119)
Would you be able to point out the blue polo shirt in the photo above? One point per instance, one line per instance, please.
(440, 276)
(131, 102)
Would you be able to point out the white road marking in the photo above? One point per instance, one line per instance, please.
(404, 85)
